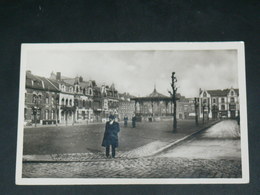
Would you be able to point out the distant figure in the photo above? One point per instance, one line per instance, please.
(150, 118)
(125, 121)
(238, 119)
(110, 136)
(133, 121)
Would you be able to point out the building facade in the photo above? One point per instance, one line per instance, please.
(64, 100)
(41, 98)
(126, 106)
(219, 103)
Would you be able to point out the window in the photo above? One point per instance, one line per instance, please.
(222, 107)
(52, 100)
(232, 93)
(70, 102)
(46, 114)
(34, 98)
(62, 101)
(84, 103)
(232, 99)
(232, 107)
(47, 100)
(222, 100)
(52, 114)
(66, 102)
(204, 94)
(76, 102)
(214, 100)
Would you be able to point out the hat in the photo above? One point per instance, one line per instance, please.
(111, 117)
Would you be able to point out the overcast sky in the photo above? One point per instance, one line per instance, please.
(137, 72)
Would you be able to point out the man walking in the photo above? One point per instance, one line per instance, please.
(111, 136)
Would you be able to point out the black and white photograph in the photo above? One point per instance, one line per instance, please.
(132, 113)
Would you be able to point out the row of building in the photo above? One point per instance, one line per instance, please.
(71, 100)
(60, 99)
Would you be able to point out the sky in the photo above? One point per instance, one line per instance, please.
(139, 71)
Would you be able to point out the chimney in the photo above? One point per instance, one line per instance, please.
(58, 76)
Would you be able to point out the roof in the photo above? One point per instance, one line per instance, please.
(221, 93)
(69, 81)
(218, 92)
(85, 84)
(156, 94)
(37, 82)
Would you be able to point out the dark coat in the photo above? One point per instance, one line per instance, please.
(110, 135)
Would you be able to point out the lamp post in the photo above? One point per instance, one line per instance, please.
(208, 110)
(196, 105)
(173, 95)
(35, 108)
(203, 111)
(56, 109)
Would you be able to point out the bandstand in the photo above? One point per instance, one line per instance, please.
(155, 105)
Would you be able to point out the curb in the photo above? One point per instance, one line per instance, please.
(179, 141)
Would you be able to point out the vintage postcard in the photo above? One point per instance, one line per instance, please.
(132, 113)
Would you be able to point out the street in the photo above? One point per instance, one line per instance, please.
(219, 142)
(214, 153)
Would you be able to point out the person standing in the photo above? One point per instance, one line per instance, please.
(110, 138)
(134, 121)
(125, 121)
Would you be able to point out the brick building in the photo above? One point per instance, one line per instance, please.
(41, 98)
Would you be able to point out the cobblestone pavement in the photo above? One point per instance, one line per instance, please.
(150, 167)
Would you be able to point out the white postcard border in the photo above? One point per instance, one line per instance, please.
(239, 46)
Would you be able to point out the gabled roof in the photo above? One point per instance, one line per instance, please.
(62, 82)
(218, 93)
(33, 82)
(37, 82)
(221, 93)
(48, 85)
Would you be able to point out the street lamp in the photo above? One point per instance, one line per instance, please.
(203, 111)
(35, 108)
(196, 105)
(56, 108)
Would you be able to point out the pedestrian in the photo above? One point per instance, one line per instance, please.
(238, 119)
(125, 121)
(111, 136)
(134, 121)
